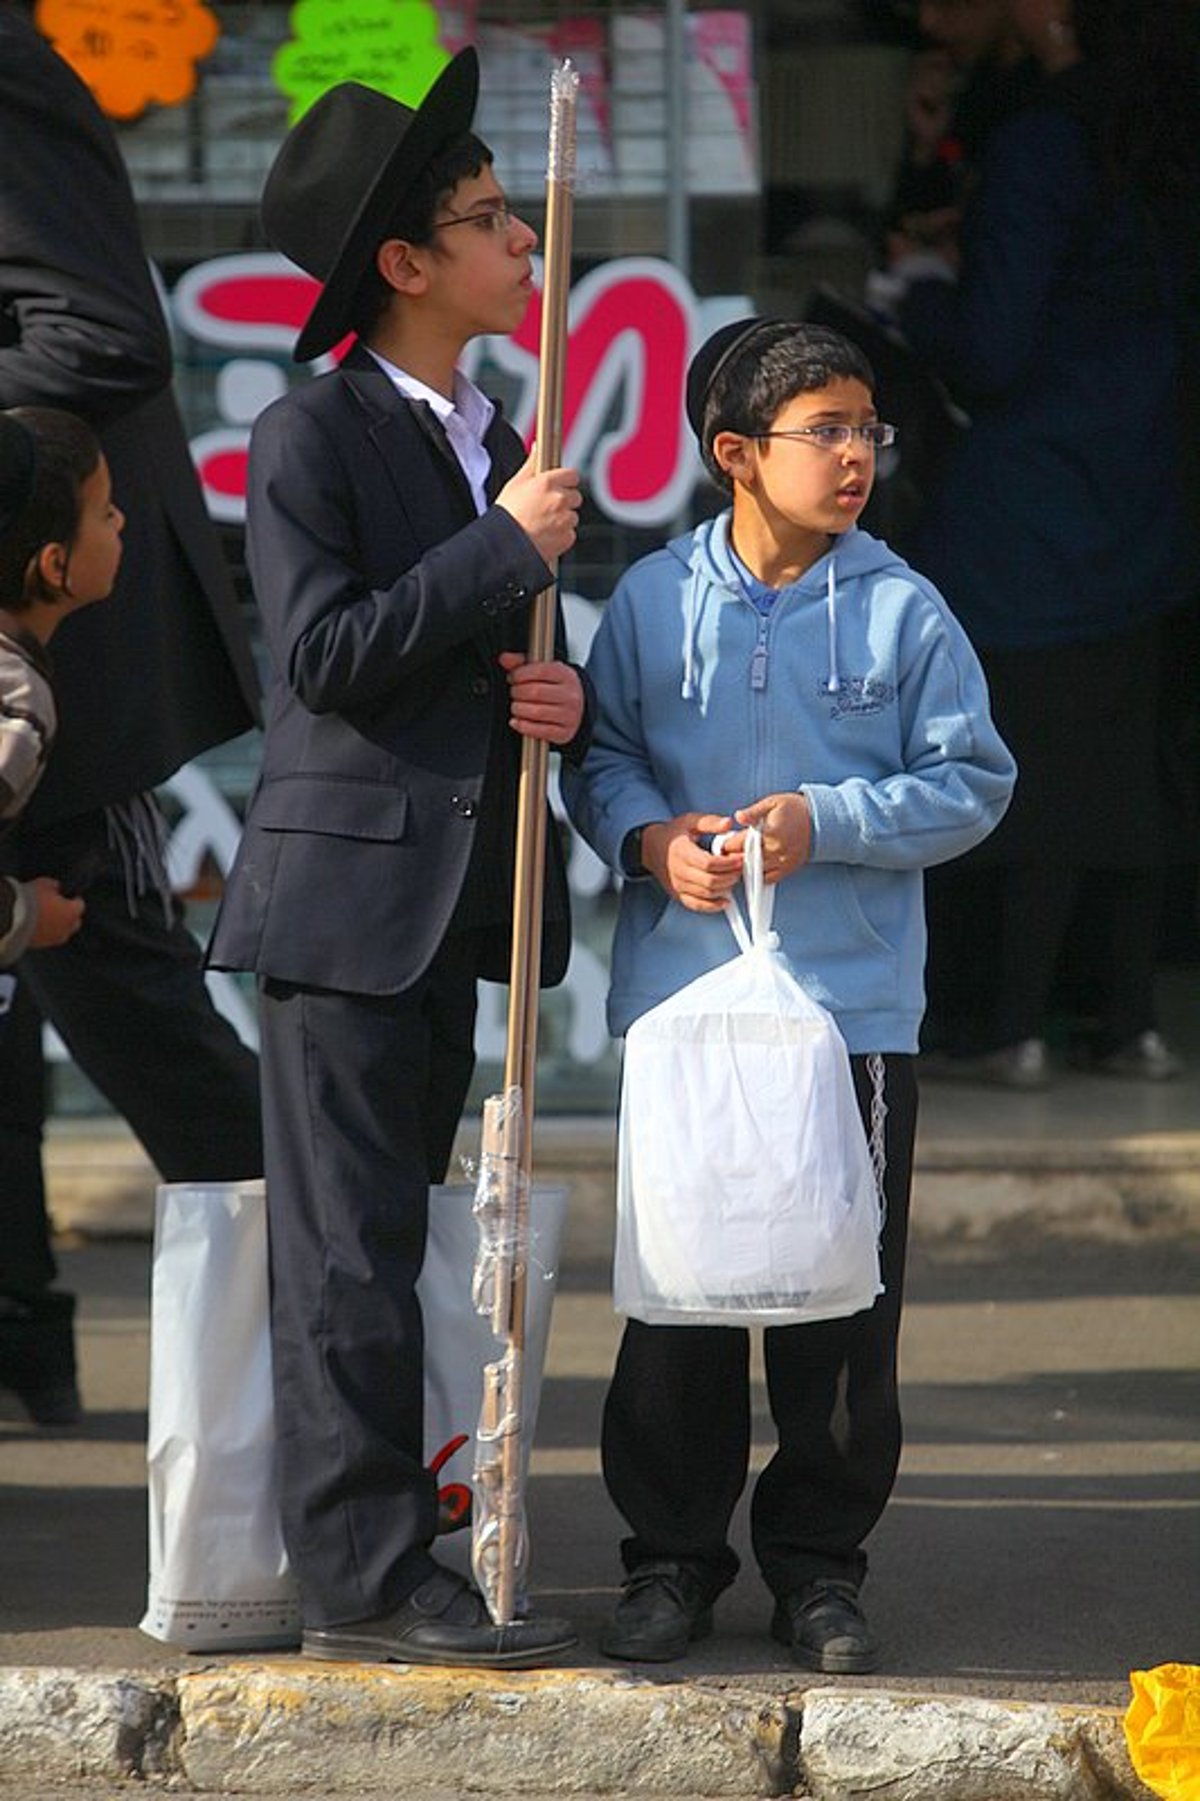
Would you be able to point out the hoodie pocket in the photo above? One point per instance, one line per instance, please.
(840, 957)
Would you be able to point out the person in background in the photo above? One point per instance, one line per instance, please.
(778, 667)
(60, 548)
(143, 686)
(1064, 528)
(972, 72)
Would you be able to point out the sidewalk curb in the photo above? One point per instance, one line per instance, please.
(965, 1192)
(361, 1730)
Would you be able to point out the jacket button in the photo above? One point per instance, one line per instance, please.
(463, 805)
(480, 687)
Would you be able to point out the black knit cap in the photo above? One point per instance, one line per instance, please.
(17, 462)
(714, 356)
(340, 177)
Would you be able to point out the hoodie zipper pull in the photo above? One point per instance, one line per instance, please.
(758, 662)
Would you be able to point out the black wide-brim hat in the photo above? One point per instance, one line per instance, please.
(340, 177)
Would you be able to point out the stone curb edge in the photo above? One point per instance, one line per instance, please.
(971, 1194)
(358, 1730)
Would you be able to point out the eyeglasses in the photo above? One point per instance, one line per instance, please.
(498, 219)
(836, 437)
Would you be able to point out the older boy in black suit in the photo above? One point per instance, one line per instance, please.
(396, 535)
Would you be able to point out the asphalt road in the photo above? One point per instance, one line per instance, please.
(1043, 1540)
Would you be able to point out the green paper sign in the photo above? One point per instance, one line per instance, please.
(391, 45)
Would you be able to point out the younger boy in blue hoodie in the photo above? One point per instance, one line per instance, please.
(779, 667)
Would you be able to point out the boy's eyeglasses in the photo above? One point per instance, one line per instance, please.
(499, 219)
(836, 437)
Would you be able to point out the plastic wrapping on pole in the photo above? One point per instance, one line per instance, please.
(499, 1543)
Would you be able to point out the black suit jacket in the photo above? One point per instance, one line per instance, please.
(385, 601)
(163, 670)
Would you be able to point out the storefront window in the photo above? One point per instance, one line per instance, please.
(730, 178)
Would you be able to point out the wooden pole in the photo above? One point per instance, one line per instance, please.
(509, 1133)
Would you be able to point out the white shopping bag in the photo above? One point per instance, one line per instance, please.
(746, 1191)
(219, 1575)
(219, 1578)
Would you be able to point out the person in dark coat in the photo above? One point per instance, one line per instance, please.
(1065, 532)
(970, 74)
(144, 684)
(396, 536)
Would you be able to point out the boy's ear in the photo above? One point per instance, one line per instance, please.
(732, 452)
(50, 569)
(399, 267)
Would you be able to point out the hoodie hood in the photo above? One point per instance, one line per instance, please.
(713, 577)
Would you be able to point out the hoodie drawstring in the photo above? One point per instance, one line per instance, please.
(834, 680)
(691, 621)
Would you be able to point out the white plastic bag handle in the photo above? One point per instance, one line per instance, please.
(760, 901)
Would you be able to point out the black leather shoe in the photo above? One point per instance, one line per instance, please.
(663, 1608)
(37, 1355)
(823, 1627)
(443, 1621)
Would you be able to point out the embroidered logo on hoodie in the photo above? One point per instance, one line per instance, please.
(859, 695)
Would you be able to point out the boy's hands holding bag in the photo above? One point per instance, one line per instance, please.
(677, 853)
(697, 857)
(785, 823)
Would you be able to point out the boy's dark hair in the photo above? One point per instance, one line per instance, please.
(65, 453)
(461, 158)
(747, 371)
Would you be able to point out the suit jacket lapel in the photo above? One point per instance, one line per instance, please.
(401, 430)
(434, 508)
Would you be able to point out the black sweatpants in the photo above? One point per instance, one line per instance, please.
(128, 997)
(676, 1429)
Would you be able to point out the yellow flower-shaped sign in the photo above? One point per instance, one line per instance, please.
(131, 53)
(391, 45)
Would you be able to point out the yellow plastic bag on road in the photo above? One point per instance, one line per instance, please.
(1162, 1729)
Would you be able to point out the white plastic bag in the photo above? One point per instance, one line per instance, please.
(219, 1575)
(746, 1191)
(219, 1578)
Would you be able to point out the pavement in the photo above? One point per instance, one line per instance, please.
(1043, 1541)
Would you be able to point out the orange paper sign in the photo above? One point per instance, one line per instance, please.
(131, 53)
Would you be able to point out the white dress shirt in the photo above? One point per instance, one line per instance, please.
(465, 420)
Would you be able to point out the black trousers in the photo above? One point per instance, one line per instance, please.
(676, 1428)
(1011, 946)
(127, 995)
(362, 1095)
(1058, 909)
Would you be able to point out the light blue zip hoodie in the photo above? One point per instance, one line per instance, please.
(858, 687)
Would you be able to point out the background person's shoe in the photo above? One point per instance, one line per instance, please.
(1146, 1058)
(824, 1628)
(1022, 1065)
(661, 1610)
(37, 1356)
(443, 1621)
